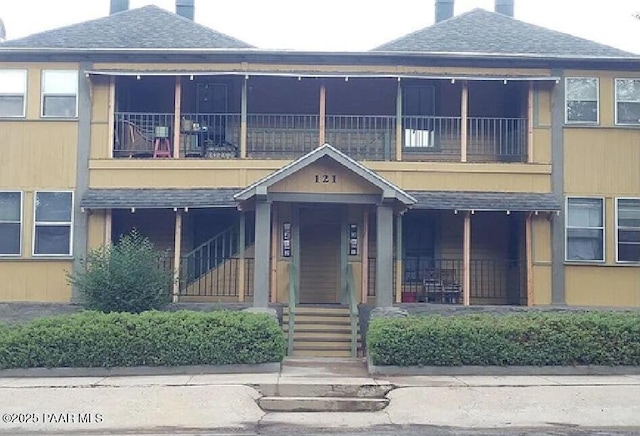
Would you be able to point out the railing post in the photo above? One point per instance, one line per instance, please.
(177, 251)
(464, 115)
(399, 121)
(241, 261)
(176, 117)
(243, 119)
(322, 114)
(466, 259)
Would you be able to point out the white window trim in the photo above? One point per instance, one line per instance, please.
(19, 254)
(42, 94)
(24, 96)
(615, 98)
(566, 100)
(567, 227)
(49, 223)
(624, 262)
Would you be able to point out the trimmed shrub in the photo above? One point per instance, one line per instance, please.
(125, 277)
(95, 339)
(578, 338)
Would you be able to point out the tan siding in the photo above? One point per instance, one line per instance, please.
(602, 286)
(34, 280)
(542, 145)
(96, 229)
(541, 285)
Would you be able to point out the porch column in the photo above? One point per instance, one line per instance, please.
(365, 257)
(530, 123)
(322, 114)
(108, 225)
(273, 296)
(177, 253)
(243, 120)
(176, 118)
(528, 230)
(262, 254)
(399, 121)
(398, 258)
(112, 115)
(241, 262)
(464, 109)
(466, 259)
(384, 253)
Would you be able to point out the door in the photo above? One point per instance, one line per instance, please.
(320, 256)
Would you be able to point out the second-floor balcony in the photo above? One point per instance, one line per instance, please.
(197, 132)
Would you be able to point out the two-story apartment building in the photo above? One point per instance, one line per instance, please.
(481, 160)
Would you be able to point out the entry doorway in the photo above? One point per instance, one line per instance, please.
(320, 254)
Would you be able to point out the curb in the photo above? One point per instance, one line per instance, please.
(143, 370)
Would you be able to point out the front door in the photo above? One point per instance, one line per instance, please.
(320, 258)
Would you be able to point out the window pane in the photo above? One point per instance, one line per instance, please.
(582, 89)
(11, 106)
(585, 111)
(629, 252)
(628, 113)
(9, 206)
(60, 82)
(585, 212)
(52, 239)
(10, 238)
(629, 213)
(13, 82)
(628, 89)
(53, 207)
(59, 106)
(584, 244)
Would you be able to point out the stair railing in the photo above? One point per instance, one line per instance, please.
(293, 298)
(353, 310)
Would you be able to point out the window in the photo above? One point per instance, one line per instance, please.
(581, 100)
(628, 101)
(13, 88)
(59, 93)
(53, 223)
(585, 229)
(628, 229)
(10, 223)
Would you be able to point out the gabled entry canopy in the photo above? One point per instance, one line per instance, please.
(329, 173)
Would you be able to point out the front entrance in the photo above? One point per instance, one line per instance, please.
(320, 235)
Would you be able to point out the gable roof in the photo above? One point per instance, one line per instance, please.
(149, 27)
(389, 190)
(490, 33)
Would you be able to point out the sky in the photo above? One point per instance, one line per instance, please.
(339, 25)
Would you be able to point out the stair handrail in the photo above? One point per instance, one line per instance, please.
(211, 240)
(293, 297)
(353, 310)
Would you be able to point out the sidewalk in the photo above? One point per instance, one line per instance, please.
(228, 401)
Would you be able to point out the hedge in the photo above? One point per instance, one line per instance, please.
(568, 339)
(95, 339)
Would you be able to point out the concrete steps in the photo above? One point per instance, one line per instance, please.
(321, 331)
(322, 404)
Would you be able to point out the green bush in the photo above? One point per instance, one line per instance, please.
(578, 338)
(125, 277)
(96, 339)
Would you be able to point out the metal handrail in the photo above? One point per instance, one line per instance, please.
(353, 310)
(293, 297)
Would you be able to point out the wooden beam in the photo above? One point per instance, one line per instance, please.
(108, 224)
(241, 260)
(399, 122)
(243, 119)
(399, 258)
(177, 253)
(322, 114)
(112, 115)
(176, 118)
(274, 254)
(464, 114)
(528, 227)
(365, 257)
(466, 259)
(530, 123)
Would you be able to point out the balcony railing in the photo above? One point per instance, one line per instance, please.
(281, 136)
(361, 137)
(497, 139)
(135, 132)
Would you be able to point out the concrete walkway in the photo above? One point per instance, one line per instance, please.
(227, 402)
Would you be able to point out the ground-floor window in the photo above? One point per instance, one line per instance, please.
(628, 229)
(53, 223)
(10, 223)
(585, 229)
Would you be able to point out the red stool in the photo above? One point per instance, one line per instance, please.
(161, 143)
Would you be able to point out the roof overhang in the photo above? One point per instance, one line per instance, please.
(487, 201)
(158, 198)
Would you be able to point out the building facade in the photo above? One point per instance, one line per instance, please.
(481, 160)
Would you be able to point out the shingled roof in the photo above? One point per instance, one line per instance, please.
(486, 201)
(149, 27)
(158, 198)
(489, 33)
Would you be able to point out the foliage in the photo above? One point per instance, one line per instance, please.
(577, 338)
(125, 277)
(96, 339)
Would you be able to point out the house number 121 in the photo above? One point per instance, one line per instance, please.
(326, 178)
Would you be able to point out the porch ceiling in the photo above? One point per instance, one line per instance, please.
(158, 198)
(486, 201)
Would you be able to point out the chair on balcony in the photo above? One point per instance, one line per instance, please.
(135, 141)
(440, 285)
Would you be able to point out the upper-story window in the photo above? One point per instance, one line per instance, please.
(10, 223)
(13, 89)
(628, 101)
(53, 223)
(628, 230)
(581, 100)
(585, 229)
(59, 93)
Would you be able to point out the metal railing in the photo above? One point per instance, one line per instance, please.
(212, 136)
(135, 132)
(497, 139)
(293, 301)
(211, 253)
(353, 310)
(362, 137)
(281, 136)
(221, 281)
(431, 138)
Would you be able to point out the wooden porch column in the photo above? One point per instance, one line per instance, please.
(243, 119)
(464, 115)
(528, 229)
(399, 258)
(274, 256)
(322, 114)
(108, 225)
(365, 257)
(262, 254)
(384, 256)
(466, 259)
(399, 121)
(241, 262)
(176, 118)
(530, 123)
(112, 115)
(177, 253)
